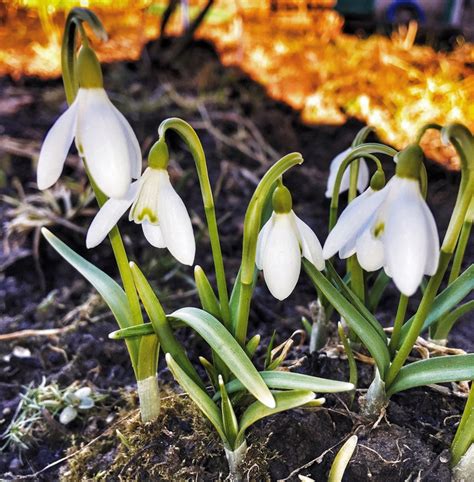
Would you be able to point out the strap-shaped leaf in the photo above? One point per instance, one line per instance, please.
(280, 380)
(230, 352)
(199, 396)
(355, 300)
(110, 291)
(284, 401)
(209, 301)
(361, 326)
(229, 420)
(454, 368)
(161, 325)
(446, 300)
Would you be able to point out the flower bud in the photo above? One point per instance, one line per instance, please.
(88, 69)
(377, 182)
(159, 155)
(409, 162)
(281, 200)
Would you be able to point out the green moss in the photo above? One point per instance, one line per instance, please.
(181, 445)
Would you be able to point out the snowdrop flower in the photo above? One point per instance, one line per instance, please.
(103, 136)
(156, 206)
(390, 227)
(362, 180)
(281, 243)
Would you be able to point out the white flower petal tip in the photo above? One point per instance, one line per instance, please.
(352, 220)
(108, 216)
(362, 179)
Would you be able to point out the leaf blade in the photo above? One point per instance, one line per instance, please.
(230, 352)
(442, 369)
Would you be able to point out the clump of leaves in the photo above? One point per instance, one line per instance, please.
(47, 400)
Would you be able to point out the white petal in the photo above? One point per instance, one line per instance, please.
(101, 140)
(432, 257)
(352, 219)
(311, 248)
(153, 234)
(108, 216)
(55, 147)
(262, 241)
(175, 222)
(282, 257)
(333, 169)
(363, 177)
(370, 252)
(349, 248)
(134, 151)
(405, 238)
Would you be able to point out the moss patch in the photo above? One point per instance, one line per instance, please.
(181, 445)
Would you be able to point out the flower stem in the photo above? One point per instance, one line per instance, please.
(398, 324)
(189, 136)
(366, 151)
(252, 224)
(460, 250)
(149, 396)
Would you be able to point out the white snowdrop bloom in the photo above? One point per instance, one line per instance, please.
(102, 135)
(281, 243)
(391, 228)
(157, 207)
(362, 179)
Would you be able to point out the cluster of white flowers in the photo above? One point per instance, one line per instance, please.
(391, 228)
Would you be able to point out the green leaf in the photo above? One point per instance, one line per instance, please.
(355, 300)
(160, 324)
(341, 459)
(446, 300)
(229, 420)
(453, 368)
(110, 291)
(280, 380)
(361, 326)
(284, 401)
(209, 301)
(445, 325)
(198, 395)
(230, 352)
(252, 345)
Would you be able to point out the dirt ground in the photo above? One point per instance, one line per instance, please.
(243, 131)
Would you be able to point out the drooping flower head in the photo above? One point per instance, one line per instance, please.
(282, 241)
(156, 206)
(103, 136)
(362, 178)
(390, 227)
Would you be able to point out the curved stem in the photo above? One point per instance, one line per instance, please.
(252, 226)
(422, 130)
(189, 136)
(460, 251)
(354, 155)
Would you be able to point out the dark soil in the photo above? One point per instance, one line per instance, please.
(38, 290)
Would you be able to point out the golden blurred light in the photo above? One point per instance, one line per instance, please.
(299, 54)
